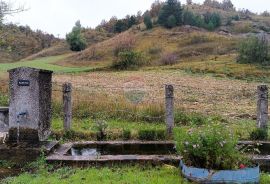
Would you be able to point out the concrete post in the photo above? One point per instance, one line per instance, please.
(67, 103)
(262, 106)
(169, 103)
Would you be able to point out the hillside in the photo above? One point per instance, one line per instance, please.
(18, 42)
(185, 42)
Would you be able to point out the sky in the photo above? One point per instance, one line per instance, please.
(58, 16)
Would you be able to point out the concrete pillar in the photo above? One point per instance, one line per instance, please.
(67, 101)
(169, 103)
(262, 106)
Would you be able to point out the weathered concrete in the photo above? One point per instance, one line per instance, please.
(169, 103)
(62, 154)
(30, 103)
(67, 101)
(4, 119)
(262, 107)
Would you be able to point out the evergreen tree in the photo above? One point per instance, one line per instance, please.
(170, 8)
(171, 22)
(120, 26)
(75, 39)
(148, 22)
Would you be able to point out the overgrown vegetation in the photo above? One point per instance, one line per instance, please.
(259, 134)
(254, 50)
(128, 60)
(211, 147)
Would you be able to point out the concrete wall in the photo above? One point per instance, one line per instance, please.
(30, 103)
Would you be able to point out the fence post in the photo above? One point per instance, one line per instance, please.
(67, 103)
(169, 103)
(262, 106)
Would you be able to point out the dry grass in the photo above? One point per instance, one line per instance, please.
(203, 94)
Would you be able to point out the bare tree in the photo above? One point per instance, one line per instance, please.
(7, 8)
(189, 2)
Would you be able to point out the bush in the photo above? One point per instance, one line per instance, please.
(123, 43)
(148, 22)
(155, 50)
(254, 50)
(128, 60)
(259, 135)
(210, 147)
(75, 39)
(126, 134)
(168, 59)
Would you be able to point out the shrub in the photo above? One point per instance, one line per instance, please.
(168, 59)
(123, 43)
(210, 147)
(196, 39)
(254, 50)
(126, 134)
(155, 50)
(128, 60)
(259, 134)
(148, 22)
(75, 39)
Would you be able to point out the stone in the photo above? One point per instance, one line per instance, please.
(30, 104)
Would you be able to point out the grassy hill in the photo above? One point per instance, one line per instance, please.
(18, 42)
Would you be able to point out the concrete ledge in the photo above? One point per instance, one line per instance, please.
(114, 159)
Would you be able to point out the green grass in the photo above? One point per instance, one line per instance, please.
(46, 63)
(114, 175)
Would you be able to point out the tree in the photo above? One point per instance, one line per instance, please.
(132, 21)
(155, 8)
(75, 38)
(8, 9)
(254, 50)
(189, 2)
(227, 5)
(212, 20)
(120, 26)
(170, 8)
(171, 22)
(189, 18)
(148, 22)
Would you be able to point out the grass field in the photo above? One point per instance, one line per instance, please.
(114, 175)
(47, 63)
(107, 175)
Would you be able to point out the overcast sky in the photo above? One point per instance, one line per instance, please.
(58, 16)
